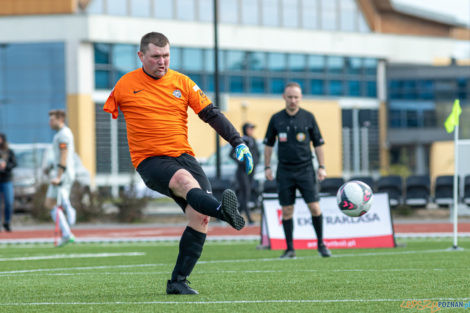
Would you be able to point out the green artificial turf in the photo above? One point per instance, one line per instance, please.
(232, 277)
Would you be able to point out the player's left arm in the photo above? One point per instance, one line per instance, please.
(62, 165)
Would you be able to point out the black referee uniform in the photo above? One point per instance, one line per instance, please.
(295, 169)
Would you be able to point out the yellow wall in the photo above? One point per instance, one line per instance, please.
(81, 120)
(259, 111)
(441, 159)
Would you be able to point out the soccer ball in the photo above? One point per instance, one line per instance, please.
(354, 198)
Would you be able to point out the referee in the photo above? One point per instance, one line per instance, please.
(295, 128)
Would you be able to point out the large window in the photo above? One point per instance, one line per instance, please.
(290, 13)
(163, 9)
(270, 12)
(228, 11)
(250, 12)
(254, 72)
(185, 10)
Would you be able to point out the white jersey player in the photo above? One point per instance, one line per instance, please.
(63, 176)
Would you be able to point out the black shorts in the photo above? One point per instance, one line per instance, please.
(157, 172)
(302, 178)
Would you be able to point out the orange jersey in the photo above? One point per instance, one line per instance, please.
(156, 112)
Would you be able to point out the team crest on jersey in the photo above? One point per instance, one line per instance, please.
(177, 93)
(300, 137)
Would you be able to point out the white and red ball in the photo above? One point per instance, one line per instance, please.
(354, 198)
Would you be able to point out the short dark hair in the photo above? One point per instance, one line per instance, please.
(57, 114)
(155, 38)
(292, 84)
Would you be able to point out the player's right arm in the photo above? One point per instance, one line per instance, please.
(269, 141)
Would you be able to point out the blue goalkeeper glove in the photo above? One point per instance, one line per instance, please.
(243, 154)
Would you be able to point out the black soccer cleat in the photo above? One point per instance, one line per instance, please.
(229, 211)
(324, 251)
(288, 254)
(179, 287)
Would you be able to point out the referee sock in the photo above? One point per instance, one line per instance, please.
(288, 226)
(190, 250)
(317, 222)
(203, 202)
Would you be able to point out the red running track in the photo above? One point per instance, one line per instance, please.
(172, 232)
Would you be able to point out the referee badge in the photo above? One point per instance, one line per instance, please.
(300, 137)
(177, 93)
(282, 137)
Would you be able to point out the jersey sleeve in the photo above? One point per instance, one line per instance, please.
(315, 135)
(111, 105)
(196, 97)
(64, 141)
(271, 133)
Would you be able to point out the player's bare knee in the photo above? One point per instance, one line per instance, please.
(287, 212)
(181, 182)
(314, 208)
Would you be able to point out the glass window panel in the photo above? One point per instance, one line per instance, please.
(335, 88)
(371, 90)
(395, 119)
(236, 84)
(317, 87)
(277, 85)
(256, 61)
(316, 63)
(270, 12)
(411, 118)
(211, 87)
(257, 85)
(353, 65)
(124, 57)
(250, 12)
(299, 81)
(310, 14)
(370, 66)
(163, 9)
(290, 13)
(185, 10)
(206, 10)
(228, 11)
(429, 118)
(329, 15)
(102, 53)
(363, 26)
(175, 58)
(276, 62)
(95, 7)
(235, 60)
(195, 77)
(140, 8)
(192, 59)
(354, 88)
(425, 89)
(209, 64)
(297, 62)
(117, 7)
(348, 13)
(102, 79)
(335, 64)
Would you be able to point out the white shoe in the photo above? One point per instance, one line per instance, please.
(71, 216)
(65, 240)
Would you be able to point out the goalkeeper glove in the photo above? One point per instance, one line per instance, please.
(243, 154)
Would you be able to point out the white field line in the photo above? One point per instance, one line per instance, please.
(230, 261)
(230, 302)
(71, 256)
(245, 272)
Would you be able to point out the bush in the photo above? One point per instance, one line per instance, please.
(130, 206)
(89, 205)
(38, 210)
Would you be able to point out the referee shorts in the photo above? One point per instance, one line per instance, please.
(291, 179)
(157, 172)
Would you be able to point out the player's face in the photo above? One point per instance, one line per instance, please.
(292, 95)
(54, 122)
(155, 60)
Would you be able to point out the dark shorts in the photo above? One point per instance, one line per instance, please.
(304, 179)
(157, 171)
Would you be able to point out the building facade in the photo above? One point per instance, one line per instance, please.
(346, 55)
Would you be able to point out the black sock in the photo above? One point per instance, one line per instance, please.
(288, 226)
(317, 222)
(203, 202)
(191, 245)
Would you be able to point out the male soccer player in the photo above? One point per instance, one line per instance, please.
(154, 100)
(64, 171)
(294, 129)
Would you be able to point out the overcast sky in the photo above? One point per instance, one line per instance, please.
(458, 8)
